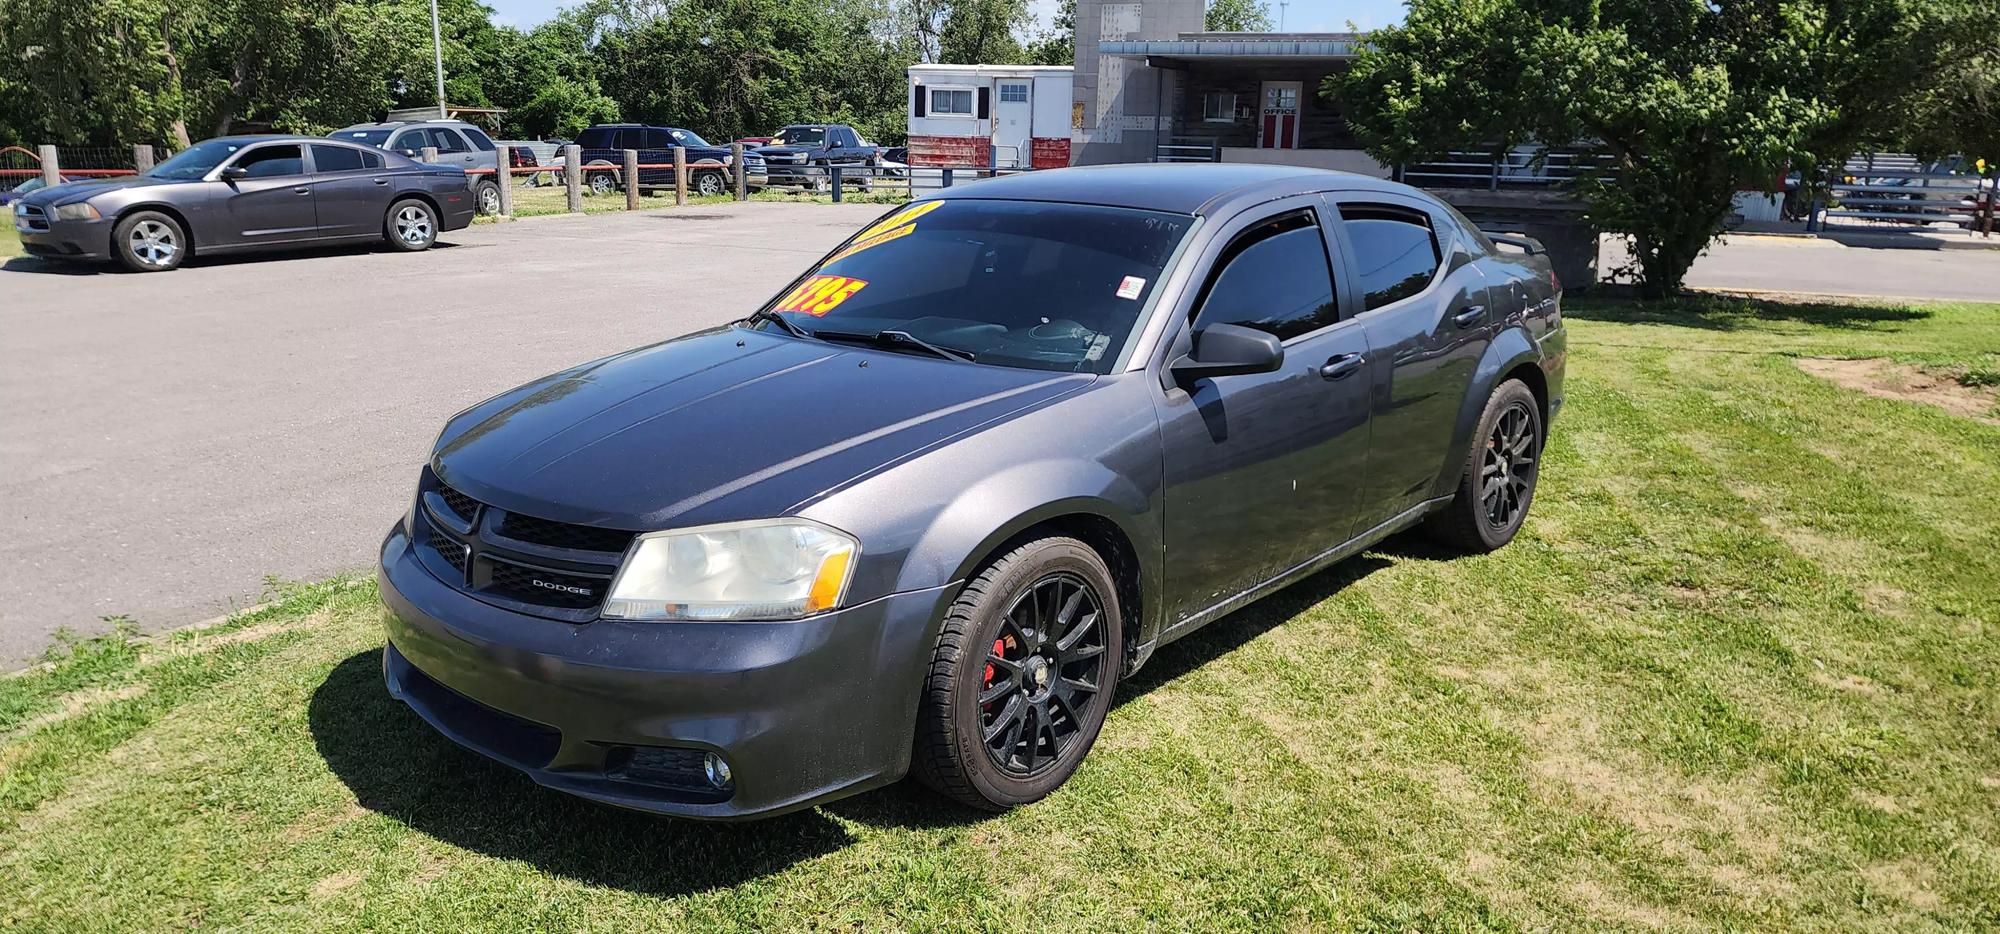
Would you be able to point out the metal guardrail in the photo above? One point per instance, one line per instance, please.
(1523, 167)
(1188, 150)
(1895, 192)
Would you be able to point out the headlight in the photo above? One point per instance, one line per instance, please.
(773, 569)
(80, 211)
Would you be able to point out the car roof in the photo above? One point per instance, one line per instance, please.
(1183, 188)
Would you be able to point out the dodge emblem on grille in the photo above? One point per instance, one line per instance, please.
(565, 588)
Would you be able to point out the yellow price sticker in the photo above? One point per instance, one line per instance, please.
(820, 294)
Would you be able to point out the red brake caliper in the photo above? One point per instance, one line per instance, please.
(1000, 649)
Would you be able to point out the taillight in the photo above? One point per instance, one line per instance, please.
(1554, 282)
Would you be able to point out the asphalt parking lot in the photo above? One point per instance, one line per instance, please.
(171, 439)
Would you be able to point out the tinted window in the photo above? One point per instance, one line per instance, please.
(596, 137)
(479, 140)
(365, 137)
(335, 159)
(1393, 251)
(447, 140)
(273, 161)
(196, 161)
(371, 160)
(657, 138)
(1016, 283)
(410, 141)
(1274, 278)
(801, 136)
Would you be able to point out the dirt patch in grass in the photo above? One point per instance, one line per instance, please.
(1887, 379)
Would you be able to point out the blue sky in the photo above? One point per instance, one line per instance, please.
(1300, 15)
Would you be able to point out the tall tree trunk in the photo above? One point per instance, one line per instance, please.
(179, 126)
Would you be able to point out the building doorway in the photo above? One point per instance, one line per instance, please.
(1013, 122)
(1279, 126)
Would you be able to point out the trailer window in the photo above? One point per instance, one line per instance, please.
(951, 101)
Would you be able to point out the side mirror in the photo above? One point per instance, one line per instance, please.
(235, 172)
(1228, 350)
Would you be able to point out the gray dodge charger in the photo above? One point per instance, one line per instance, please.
(237, 193)
(924, 509)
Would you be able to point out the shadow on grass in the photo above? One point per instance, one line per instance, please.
(1735, 312)
(398, 766)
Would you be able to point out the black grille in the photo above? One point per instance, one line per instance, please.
(663, 767)
(448, 548)
(563, 534)
(465, 506)
(548, 588)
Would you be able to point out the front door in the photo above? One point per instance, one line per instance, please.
(273, 201)
(1013, 121)
(1264, 471)
(1279, 128)
(350, 198)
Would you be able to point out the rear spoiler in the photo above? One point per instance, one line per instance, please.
(1522, 242)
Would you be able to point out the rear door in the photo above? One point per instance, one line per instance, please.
(1264, 471)
(1424, 304)
(273, 203)
(453, 149)
(350, 192)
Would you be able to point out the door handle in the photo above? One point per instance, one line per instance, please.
(1469, 316)
(303, 191)
(1341, 366)
(381, 181)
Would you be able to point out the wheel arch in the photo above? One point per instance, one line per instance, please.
(1510, 355)
(161, 207)
(415, 194)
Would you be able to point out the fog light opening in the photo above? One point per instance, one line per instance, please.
(717, 769)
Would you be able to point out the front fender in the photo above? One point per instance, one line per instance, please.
(1508, 350)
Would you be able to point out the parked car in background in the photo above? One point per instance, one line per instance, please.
(923, 509)
(26, 187)
(244, 193)
(803, 153)
(458, 143)
(603, 154)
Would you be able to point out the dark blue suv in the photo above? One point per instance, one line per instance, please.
(603, 158)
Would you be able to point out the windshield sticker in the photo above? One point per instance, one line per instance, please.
(1131, 287)
(896, 225)
(820, 294)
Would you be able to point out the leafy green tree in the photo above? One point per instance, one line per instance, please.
(1238, 16)
(981, 32)
(1689, 101)
(1056, 45)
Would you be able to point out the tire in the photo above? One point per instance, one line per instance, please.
(1506, 446)
(709, 183)
(601, 183)
(410, 226)
(990, 644)
(487, 197)
(149, 241)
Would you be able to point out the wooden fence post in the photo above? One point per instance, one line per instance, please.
(573, 177)
(142, 158)
(503, 161)
(51, 171)
(631, 179)
(680, 176)
(736, 169)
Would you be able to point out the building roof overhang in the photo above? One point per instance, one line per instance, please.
(1238, 48)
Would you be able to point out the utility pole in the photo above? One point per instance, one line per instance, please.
(437, 48)
(1282, 4)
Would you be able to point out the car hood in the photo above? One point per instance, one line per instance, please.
(720, 425)
(85, 188)
(787, 150)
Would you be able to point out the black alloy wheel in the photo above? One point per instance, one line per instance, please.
(1497, 480)
(1022, 676)
(1046, 665)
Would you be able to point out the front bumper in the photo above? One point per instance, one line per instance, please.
(802, 711)
(79, 240)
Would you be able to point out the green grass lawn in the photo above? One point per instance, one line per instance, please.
(10, 243)
(1738, 673)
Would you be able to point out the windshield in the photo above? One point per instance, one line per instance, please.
(33, 184)
(689, 138)
(1013, 283)
(802, 136)
(197, 160)
(373, 138)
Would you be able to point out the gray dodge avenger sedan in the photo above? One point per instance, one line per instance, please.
(923, 510)
(237, 193)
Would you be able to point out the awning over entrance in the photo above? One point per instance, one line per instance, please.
(1238, 48)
